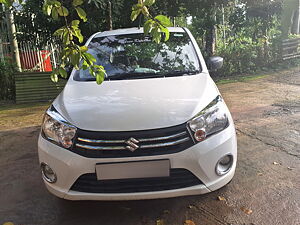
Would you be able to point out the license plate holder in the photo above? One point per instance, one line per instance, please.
(136, 169)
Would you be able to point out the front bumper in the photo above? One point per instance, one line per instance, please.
(199, 159)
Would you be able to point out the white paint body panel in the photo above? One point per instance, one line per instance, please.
(200, 159)
(135, 104)
(142, 104)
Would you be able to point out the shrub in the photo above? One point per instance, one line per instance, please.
(240, 56)
(7, 82)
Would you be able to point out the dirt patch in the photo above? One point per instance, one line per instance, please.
(25, 115)
(284, 109)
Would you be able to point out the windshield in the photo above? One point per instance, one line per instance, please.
(135, 56)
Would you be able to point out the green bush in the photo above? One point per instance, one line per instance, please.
(242, 55)
(7, 82)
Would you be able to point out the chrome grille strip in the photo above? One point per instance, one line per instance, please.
(101, 147)
(166, 143)
(164, 137)
(141, 139)
(141, 147)
(100, 141)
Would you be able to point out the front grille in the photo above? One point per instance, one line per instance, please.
(94, 144)
(179, 178)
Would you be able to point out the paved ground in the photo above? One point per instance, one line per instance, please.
(264, 191)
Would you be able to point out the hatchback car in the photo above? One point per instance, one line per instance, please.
(157, 127)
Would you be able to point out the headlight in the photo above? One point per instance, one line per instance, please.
(56, 129)
(210, 120)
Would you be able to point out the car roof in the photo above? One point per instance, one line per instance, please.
(133, 30)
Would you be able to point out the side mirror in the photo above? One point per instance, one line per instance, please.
(214, 63)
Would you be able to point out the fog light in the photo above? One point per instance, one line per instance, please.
(48, 174)
(224, 164)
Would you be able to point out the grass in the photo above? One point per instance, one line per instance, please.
(14, 116)
(240, 79)
(248, 77)
(12, 106)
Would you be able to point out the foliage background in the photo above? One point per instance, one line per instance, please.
(247, 32)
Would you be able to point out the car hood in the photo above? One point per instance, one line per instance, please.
(140, 104)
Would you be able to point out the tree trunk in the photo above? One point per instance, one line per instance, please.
(109, 17)
(13, 39)
(296, 22)
(211, 33)
(211, 41)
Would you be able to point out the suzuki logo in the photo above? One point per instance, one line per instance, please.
(132, 144)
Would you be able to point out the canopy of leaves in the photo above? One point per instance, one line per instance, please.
(41, 26)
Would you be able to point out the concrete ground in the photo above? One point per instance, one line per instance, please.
(264, 191)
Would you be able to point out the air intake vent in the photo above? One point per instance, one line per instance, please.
(179, 178)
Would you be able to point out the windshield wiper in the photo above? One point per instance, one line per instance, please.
(140, 75)
(131, 75)
(181, 73)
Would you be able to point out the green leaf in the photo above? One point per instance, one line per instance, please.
(56, 3)
(148, 26)
(90, 57)
(44, 8)
(99, 67)
(63, 11)
(84, 67)
(92, 72)
(165, 21)
(145, 11)
(66, 37)
(100, 77)
(63, 72)
(134, 14)
(149, 2)
(49, 10)
(166, 32)
(83, 48)
(84, 61)
(7, 3)
(75, 57)
(77, 2)
(59, 31)
(75, 23)
(78, 35)
(54, 14)
(137, 7)
(54, 77)
(156, 35)
(81, 13)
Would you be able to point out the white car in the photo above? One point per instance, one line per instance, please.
(157, 127)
